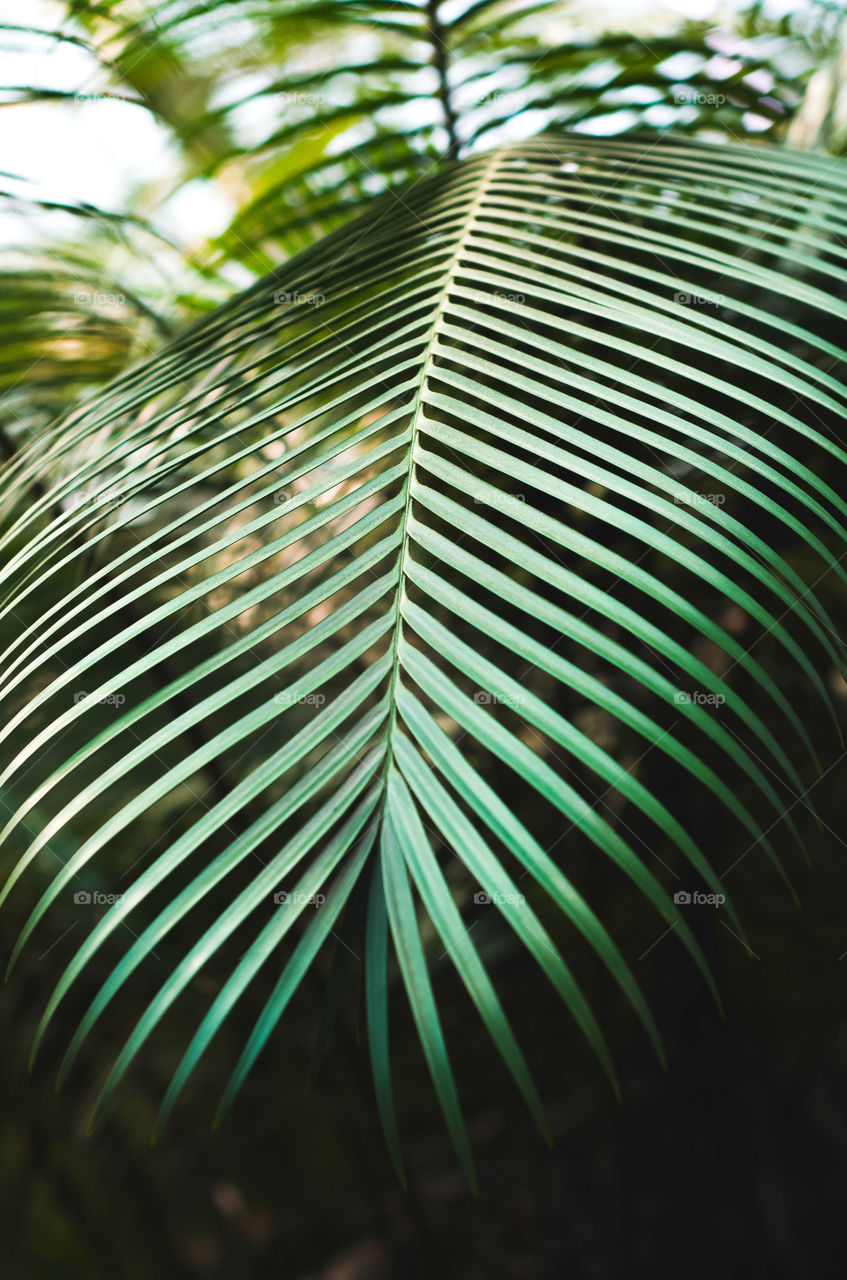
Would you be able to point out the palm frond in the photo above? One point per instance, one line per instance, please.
(368, 537)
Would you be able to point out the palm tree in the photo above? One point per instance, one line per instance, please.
(350, 614)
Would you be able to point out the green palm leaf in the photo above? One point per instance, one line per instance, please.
(305, 569)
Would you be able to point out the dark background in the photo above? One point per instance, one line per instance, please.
(731, 1162)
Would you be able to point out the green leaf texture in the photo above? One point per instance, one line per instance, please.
(332, 580)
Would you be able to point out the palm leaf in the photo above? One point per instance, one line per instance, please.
(310, 562)
(426, 81)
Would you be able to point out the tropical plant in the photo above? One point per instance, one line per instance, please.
(303, 563)
(393, 560)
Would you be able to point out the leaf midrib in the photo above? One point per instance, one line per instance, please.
(417, 409)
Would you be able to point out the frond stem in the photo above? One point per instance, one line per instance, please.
(436, 35)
